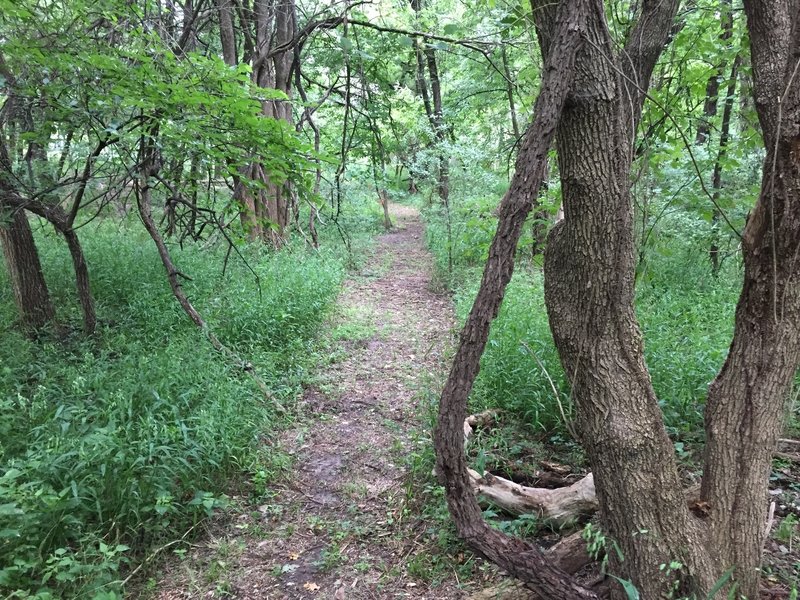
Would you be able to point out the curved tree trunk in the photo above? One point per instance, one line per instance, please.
(25, 272)
(521, 559)
(85, 296)
(746, 401)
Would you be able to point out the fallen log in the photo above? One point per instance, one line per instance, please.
(558, 506)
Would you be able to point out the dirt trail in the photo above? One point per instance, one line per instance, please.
(342, 528)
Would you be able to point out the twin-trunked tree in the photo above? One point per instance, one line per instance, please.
(591, 102)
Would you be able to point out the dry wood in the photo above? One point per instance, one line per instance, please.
(556, 506)
(559, 506)
(481, 419)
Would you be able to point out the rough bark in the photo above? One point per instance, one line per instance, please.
(589, 293)
(569, 555)
(519, 558)
(25, 272)
(227, 36)
(746, 401)
(85, 297)
(268, 30)
(60, 220)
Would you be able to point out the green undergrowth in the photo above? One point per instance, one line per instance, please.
(118, 444)
(685, 313)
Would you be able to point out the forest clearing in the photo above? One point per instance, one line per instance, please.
(475, 299)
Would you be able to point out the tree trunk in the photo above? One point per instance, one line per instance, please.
(85, 297)
(519, 558)
(25, 272)
(227, 35)
(746, 401)
(275, 28)
(589, 294)
(439, 126)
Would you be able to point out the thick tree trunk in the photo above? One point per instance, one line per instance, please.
(589, 293)
(25, 272)
(746, 401)
(56, 216)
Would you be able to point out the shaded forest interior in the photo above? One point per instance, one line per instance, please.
(193, 194)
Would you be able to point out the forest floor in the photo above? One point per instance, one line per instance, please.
(344, 525)
(349, 520)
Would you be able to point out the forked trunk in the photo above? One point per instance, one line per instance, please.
(589, 293)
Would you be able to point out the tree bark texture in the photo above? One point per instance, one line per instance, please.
(589, 293)
(25, 272)
(521, 559)
(746, 401)
(59, 219)
(275, 28)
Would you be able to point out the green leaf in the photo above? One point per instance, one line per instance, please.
(723, 581)
(630, 589)
(450, 29)
(10, 509)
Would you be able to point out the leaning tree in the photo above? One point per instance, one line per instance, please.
(589, 294)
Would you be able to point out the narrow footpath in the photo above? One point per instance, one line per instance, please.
(346, 525)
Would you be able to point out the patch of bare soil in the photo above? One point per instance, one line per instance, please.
(341, 527)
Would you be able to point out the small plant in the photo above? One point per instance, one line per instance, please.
(595, 540)
(133, 437)
(672, 570)
(332, 558)
(787, 529)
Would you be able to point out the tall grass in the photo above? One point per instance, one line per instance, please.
(111, 445)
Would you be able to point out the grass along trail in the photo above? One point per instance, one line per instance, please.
(345, 525)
